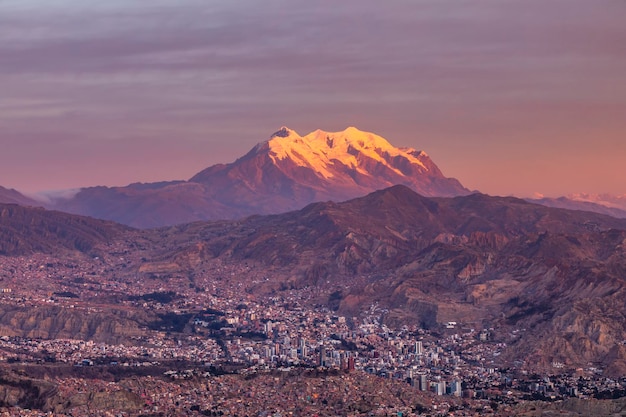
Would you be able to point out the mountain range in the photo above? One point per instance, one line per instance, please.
(547, 282)
(602, 205)
(285, 172)
(607, 200)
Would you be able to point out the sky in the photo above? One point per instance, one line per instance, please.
(511, 97)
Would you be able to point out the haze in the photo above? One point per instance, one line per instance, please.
(510, 97)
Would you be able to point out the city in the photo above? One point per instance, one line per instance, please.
(223, 333)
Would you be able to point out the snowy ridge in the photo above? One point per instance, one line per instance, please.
(320, 150)
(607, 200)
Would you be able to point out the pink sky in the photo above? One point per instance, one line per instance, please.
(510, 97)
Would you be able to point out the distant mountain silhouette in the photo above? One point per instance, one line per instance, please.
(11, 196)
(596, 206)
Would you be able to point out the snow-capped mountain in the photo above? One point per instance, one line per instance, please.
(329, 165)
(285, 172)
(330, 154)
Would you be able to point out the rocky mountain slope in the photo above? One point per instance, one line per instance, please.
(285, 172)
(26, 230)
(550, 283)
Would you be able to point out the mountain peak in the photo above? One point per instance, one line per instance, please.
(351, 130)
(283, 132)
(324, 152)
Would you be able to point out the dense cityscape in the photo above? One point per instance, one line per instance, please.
(207, 337)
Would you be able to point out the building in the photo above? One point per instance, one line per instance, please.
(322, 361)
(423, 384)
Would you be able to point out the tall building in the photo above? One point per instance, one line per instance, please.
(439, 388)
(322, 361)
(351, 363)
(302, 347)
(418, 347)
(303, 351)
(423, 382)
(455, 388)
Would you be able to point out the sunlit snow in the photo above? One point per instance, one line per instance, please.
(320, 150)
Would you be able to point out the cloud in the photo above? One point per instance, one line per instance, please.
(47, 197)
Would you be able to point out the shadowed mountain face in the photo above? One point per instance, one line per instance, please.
(25, 230)
(283, 173)
(549, 282)
(405, 223)
(10, 196)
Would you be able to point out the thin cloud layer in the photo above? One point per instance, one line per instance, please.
(129, 91)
